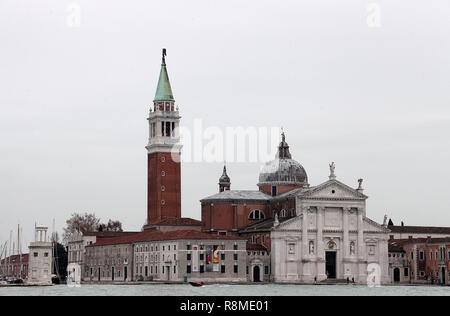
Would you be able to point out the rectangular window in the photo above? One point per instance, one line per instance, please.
(421, 255)
(188, 247)
(35, 254)
(266, 269)
(202, 256)
(235, 256)
(247, 270)
(235, 247)
(406, 272)
(168, 129)
(202, 268)
(235, 268)
(222, 256)
(222, 268)
(173, 128)
(174, 269)
(274, 191)
(162, 129)
(188, 257)
(188, 269)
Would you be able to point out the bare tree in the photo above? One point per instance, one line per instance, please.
(80, 223)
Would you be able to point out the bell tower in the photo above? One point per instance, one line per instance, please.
(163, 149)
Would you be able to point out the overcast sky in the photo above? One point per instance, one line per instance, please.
(362, 83)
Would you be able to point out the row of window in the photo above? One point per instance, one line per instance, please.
(151, 247)
(169, 106)
(258, 214)
(202, 247)
(222, 269)
(440, 252)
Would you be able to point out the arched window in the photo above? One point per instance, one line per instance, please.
(256, 214)
(283, 213)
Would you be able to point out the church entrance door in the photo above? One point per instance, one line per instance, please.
(330, 258)
(396, 275)
(256, 272)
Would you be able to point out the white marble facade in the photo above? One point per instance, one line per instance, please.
(330, 226)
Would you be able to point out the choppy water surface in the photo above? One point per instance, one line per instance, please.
(225, 290)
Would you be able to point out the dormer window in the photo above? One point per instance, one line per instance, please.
(283, 213)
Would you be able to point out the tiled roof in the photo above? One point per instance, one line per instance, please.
(255, 247)
(262, 225)
(17, 258)
(420, 229)
(230, 195)
(108, 234)
(396, 245)
(293, 193)
(184, 221)
(156, 235)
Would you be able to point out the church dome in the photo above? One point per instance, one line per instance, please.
(283, 170)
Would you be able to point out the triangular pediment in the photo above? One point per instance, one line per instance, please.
(334, 189)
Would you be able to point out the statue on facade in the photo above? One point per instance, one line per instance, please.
(385, 221)
(311, 247)
(352, 248)
(332, 167)
(360, 181)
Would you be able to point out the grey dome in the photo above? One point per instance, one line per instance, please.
(283, 170)
(286, 171)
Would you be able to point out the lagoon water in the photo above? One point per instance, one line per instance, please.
(224, 290)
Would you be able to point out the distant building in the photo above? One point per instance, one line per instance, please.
(15, 267)
(76, 246)
(40, 258)
(405, 232)
(154, 255)
(427, 260)
(312, 233)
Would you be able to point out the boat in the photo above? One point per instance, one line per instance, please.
(16, 281)
(196, 284)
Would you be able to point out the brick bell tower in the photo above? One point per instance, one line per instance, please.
(164, 149)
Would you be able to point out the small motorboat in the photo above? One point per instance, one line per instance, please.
(196, 284)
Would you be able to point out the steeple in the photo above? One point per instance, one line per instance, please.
(224, 181)
(164, 91)
(164, 150)
(283, 149)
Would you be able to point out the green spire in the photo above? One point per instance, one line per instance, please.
(164, 91)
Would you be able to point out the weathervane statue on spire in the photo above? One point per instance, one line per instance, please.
(164, 53)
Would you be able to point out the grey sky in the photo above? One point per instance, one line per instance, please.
(74, 100)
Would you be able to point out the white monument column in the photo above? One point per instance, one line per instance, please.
(305, 247)
(361, 248)
(345, 251)
(320, 245)
(345, 243)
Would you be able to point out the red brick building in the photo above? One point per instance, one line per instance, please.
(427, 260)
(15, 266)
(252, 213)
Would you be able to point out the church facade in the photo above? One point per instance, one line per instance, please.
(330, 238)
(311, 233)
